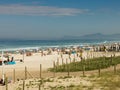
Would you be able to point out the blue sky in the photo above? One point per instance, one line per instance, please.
(43, 19)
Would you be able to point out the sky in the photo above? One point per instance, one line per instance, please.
(46, 19)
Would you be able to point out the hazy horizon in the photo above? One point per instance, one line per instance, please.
(95, 36)
(44, 19)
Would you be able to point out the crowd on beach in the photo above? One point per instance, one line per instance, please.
(115, 47)
(78, 49)
(111, 47)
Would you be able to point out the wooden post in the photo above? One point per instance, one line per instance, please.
(114, 69)
(99, 71)
(23, 55)
(23, 84)
(114, 55)
(70, 59)
(93, 55)
(25, 72)
(74, 59)
(57, 64)
(40, 71)
(54, 68)
(74, 55)
(39, 87)
(6, 83)
(69, 56)
(66, 61)
(14, 75)
(83, 70)
(111, 59)
(68, 69)
(62, 61)
(57, 61)
(66, 64)
(61, 55)
(76, 65)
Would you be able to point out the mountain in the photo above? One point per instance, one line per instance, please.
(95, 36)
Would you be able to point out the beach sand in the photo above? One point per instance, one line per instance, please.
(33, 64)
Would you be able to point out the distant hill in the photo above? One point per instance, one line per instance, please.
(95, 36)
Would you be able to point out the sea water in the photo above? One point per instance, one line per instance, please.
(40, 44)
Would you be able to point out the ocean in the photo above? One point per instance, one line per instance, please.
(41, 44)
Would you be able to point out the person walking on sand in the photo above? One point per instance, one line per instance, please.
(81, 53)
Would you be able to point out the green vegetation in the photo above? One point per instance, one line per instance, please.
(48, 80)
(64, 77)
(109, 81)
(87, 65)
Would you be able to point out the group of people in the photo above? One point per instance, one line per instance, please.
(9, 60)
(110, 47)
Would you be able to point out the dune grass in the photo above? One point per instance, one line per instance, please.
(89, 64)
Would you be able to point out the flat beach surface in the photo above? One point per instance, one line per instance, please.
(32, 63)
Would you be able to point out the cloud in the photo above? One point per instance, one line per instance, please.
(40, 10)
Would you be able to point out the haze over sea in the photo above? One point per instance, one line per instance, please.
(42, 44)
